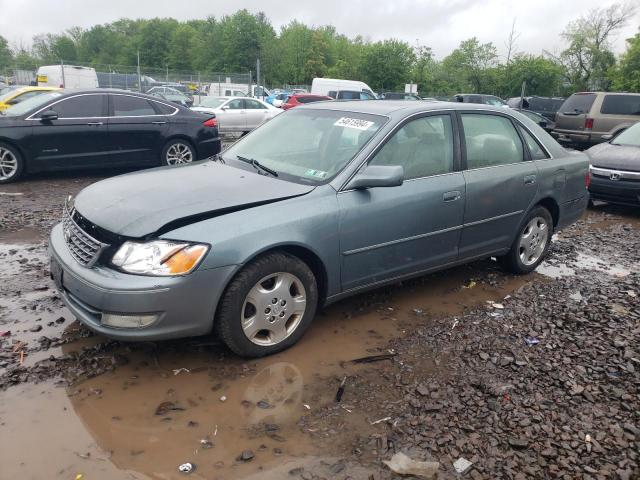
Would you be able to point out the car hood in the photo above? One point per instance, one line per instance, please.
(619, 157)
(156, 201)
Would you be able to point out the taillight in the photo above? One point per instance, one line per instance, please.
(588, 123)
(587, 179)
(212, 123)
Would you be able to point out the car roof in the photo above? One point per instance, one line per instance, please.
(390, 107)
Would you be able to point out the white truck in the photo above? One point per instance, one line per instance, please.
(342, 89)
(67, 76)
(225, 89)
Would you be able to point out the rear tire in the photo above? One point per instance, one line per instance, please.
(268, 306)
(531, 244)
(177, 152)
(11, 164)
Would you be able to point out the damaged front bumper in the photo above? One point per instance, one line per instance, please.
(167, 307)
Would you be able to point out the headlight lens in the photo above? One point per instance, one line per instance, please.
(159, 257)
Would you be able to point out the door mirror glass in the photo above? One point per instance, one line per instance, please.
(377, 176)
(224, 107)
(48, 115)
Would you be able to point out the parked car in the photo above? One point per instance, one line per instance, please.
(237, 114)
(97, 128)
(322, 202)
(589, 118)
(323, 86)
(544, 122)
(172, 95)
(399, 96)
(615, 168)
(547, 106)
(14, 96)
(278, 98)
(302, 98)
(478, 98)
(66, 76)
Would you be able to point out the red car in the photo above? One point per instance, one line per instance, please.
(302, 98)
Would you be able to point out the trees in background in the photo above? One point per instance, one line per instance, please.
(298, 53)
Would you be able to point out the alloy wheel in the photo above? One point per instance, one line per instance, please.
(179, 153)
(533, 241)
(273, 309)
(8, 164)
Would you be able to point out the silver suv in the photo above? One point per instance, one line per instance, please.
(589, 118)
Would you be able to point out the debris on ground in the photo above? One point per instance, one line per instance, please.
(186, 468)
(403, 465)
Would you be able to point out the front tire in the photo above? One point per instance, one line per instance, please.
(268, 306)
(11, 164)
(178, 152)
(532, 243)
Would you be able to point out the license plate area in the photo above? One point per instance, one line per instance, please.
(56, 273)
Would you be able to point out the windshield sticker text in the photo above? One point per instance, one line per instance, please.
(315, 173)
(353, 123)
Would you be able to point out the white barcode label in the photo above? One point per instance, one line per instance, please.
(353, 123)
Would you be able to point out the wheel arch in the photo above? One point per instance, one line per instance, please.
(552, 206)
(12, 143)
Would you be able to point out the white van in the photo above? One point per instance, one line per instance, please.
(67, 76)
(333, 86)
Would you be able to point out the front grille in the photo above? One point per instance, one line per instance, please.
(83, 247)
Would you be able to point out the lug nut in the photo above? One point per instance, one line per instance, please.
(283, 303)
(274, 301)
(281, 314)
(267, 310)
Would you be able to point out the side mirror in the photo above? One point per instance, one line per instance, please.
(607, 137)
(49, 115)
(224, 107)
(377, 176)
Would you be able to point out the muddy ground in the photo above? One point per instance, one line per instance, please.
(525, 377)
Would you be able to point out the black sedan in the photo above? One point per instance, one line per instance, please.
(615, 168)
(99, 128)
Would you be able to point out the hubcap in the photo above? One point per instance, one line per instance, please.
(179, 153)
(8, 164)
(273, 309)
(533, 241)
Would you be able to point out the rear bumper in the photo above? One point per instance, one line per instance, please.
(185, 306)
(209, 147)
(623, 192)
(577, 137)
(571, 211)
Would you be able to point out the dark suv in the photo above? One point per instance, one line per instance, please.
(547, 106)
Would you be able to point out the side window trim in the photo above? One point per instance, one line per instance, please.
(457, 165)
(463, 144)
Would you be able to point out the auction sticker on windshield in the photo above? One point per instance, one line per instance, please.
(315, 173)
(353, 123)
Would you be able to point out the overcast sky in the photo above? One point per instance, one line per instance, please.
(440, 24)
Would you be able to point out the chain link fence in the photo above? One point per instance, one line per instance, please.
(142, 79)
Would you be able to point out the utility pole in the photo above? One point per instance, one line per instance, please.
(139, 76)
(64, 83)
(167, 77)
(258, 78)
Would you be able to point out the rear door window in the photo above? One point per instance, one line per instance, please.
(536, 151)
(83, 106)
(491, 140)
(621, 105)
(127, 106)
(578, 103)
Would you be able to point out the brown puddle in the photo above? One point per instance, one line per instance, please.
(48, 431)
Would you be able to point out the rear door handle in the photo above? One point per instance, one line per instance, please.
(95, 123)
(158, 123)
(451, 196)
(529, 179)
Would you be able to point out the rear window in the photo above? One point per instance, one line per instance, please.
(621, 105)
(578, 103)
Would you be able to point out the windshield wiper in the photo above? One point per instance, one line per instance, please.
(257, 165)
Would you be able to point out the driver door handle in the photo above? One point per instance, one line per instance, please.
(95, 123)
(451, 196)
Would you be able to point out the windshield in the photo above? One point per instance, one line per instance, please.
(30, 104)
(307, 145)
(631, 136)
(212, 102)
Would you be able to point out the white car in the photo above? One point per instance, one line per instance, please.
(237, 114)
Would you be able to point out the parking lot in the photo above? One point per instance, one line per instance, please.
(518, 375)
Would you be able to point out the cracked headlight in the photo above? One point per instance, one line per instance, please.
(159, 257)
